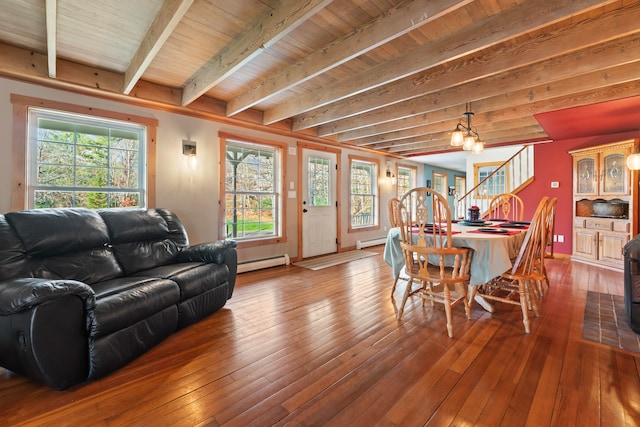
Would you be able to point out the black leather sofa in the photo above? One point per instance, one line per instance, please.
(83, 292)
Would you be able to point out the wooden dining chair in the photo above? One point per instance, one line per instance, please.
(515, 286)
(506, 206)
(429, 255)
(550, 229)
(551, 225)
(394, 211)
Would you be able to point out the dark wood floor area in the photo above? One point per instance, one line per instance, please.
(322, 348)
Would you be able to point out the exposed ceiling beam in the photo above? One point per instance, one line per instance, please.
(482, 34)
(510, 102)
(271, 28)
(51, 10)
(599, 57)
(391, 24)
(579, 35)
(604, 94)
(168, 17)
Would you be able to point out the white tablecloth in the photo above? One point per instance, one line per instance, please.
(492, 252)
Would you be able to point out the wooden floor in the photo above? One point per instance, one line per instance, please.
(323, 348)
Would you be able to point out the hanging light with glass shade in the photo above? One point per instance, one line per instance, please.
(466, 136)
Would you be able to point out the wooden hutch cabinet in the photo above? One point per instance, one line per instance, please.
(605, 203)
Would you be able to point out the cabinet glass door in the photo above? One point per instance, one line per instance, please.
(586, 176)
(613, 179)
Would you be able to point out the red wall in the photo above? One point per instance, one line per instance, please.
(552, 162)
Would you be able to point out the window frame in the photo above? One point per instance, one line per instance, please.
(457, 179)
(375, 188)
(21, 106)
(476, 179)
(77, 126)
(444, 182)
(279, 174)
(413, 174)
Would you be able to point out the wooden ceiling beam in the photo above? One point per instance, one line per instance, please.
(166, 20)
(271, 28)
(51, 11)
(594, 58)
(482, 126)
(497, 135)
(491, 107)
(497, 28)
(577, 99)
(583, 33)
(390, 25)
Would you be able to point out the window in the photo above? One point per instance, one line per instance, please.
(83, 161)
(494, 177)
(363, 202)
(440, 182)
(407, 178)
(460, 183)
(319, 181)
(126, 184)
(252, 190)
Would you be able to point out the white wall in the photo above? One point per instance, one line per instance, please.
(192, 194)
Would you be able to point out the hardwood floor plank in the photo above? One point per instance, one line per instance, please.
(302, 347)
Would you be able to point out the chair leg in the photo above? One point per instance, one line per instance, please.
(405, 296)
(465, 300)
(447, 310)
(524, 305)
(395, 282)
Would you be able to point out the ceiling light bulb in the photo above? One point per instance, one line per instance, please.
(457, 138)
(469, 140)
(478, 146)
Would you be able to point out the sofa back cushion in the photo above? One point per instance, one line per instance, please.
(142, 238)
(13, 260)
(71, 243)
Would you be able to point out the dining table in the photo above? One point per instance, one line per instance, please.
(492, 250)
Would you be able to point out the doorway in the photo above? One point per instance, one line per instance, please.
(319, 208)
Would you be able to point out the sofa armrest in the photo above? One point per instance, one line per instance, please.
(213, 252)
(43, 329)
(220, 252)
(20, 294)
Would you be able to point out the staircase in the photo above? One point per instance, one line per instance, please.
(510, 177)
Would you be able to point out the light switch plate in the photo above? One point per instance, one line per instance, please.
(555, 184)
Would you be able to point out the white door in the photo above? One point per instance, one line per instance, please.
(319, 207)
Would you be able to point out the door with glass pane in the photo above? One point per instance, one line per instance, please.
(319, 211)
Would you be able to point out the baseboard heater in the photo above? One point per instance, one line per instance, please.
(372, 242)
(258, 264)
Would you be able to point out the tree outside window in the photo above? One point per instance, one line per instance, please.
(364, 187)
(81, 161)
(407, 178)
(252, 194)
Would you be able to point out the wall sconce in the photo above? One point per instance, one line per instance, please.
(189, 149)
(391, 177)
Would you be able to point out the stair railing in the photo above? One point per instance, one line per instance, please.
(511, 176)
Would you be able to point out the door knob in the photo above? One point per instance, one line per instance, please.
(304, 210)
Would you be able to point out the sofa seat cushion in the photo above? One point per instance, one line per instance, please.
(194, 278)
(124, 301)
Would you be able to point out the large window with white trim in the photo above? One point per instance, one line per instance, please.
(407, 179)
(84, 161)
(363, 194)
(252, 190)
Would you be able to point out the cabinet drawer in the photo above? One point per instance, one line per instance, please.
(599, 224)
(621, 226)
(578, 222)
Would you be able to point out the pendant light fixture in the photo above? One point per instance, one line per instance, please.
(465, 136)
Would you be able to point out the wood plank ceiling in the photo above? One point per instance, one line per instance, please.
(388, 75)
